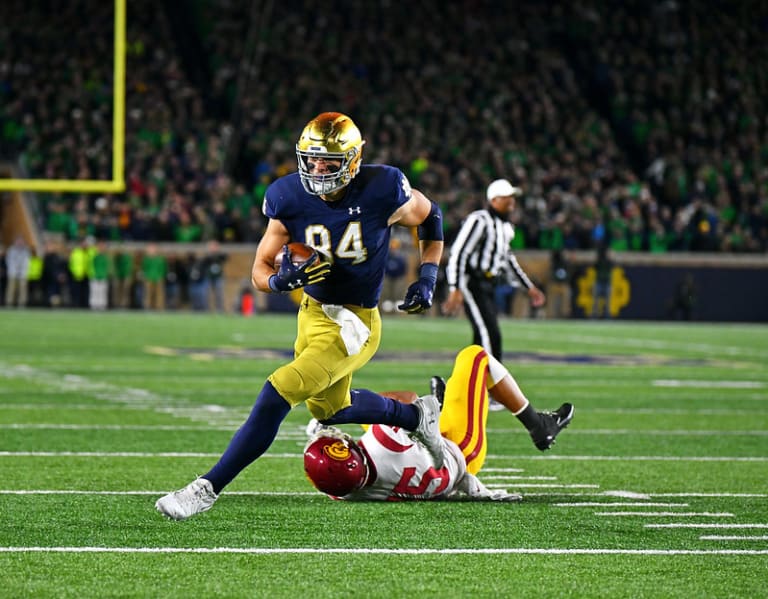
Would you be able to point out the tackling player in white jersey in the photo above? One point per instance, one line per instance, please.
(390, 464)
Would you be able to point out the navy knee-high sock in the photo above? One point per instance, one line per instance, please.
(252, 439)
(371, 408)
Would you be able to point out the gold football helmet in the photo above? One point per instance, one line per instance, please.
(331, 136)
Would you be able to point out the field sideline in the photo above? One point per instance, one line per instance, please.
(658, 488)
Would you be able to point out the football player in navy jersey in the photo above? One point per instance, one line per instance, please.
(345, 210)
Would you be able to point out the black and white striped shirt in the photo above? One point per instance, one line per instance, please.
(481, 250)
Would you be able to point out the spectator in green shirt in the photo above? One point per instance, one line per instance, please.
(123, 263)
(153, 267)
(99, 273)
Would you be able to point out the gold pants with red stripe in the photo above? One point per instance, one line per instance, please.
(465, 409)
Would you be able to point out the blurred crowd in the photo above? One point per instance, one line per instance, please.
(638, 125)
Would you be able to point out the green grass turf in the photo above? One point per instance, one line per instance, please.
(674, 413)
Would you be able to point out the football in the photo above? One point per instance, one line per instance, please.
(300, 253)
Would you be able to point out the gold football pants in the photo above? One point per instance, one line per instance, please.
(321, 371)
(465, 409)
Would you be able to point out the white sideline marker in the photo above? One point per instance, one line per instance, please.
(669, 514)
(380, 551)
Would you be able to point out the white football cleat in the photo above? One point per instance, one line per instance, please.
(428, 430)
(196, 497)
(314, 427)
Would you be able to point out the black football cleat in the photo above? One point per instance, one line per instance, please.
(551, 425)
(437, 388)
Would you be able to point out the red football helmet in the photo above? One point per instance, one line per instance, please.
(334, 463)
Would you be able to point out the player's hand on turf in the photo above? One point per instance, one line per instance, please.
(292, 276)
(475, 490)
(502, 495)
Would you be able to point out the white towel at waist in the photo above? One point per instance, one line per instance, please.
(354, 333)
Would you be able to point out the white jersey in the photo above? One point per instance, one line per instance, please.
(405, 469)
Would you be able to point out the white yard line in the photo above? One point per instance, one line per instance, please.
(512, 477)
(647, 432)
(58, 407)
(88, 492)
(543, 486)
(129, 454)
(702, 525)
(112, 427)
(287, 433)
(675, 411)
(299, 434)
(651, 495)
(582, 458)
(503, 470)
(732, 538)
(381, 551)
(716, 351)
(125, 396)
(630, 458)
(619, 504)
(701, 384)
(763, 495)
(292, 493)
(668, 514)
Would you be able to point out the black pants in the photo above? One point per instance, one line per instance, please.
(480, 307)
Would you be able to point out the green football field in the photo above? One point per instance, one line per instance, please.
(659, 488)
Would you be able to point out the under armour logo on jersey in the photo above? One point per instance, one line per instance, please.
(355, 210)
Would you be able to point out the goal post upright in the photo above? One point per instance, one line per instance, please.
(117, 184)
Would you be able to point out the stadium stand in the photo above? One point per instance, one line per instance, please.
(640, 124)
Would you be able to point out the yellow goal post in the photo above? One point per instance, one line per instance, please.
(117, 184)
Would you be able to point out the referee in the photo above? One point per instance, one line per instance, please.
(480, 258)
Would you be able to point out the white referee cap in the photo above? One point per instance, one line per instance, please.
(501, 187)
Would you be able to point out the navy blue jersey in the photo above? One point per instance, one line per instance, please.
(353, 230)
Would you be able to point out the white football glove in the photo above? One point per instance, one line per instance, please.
(475, 490)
